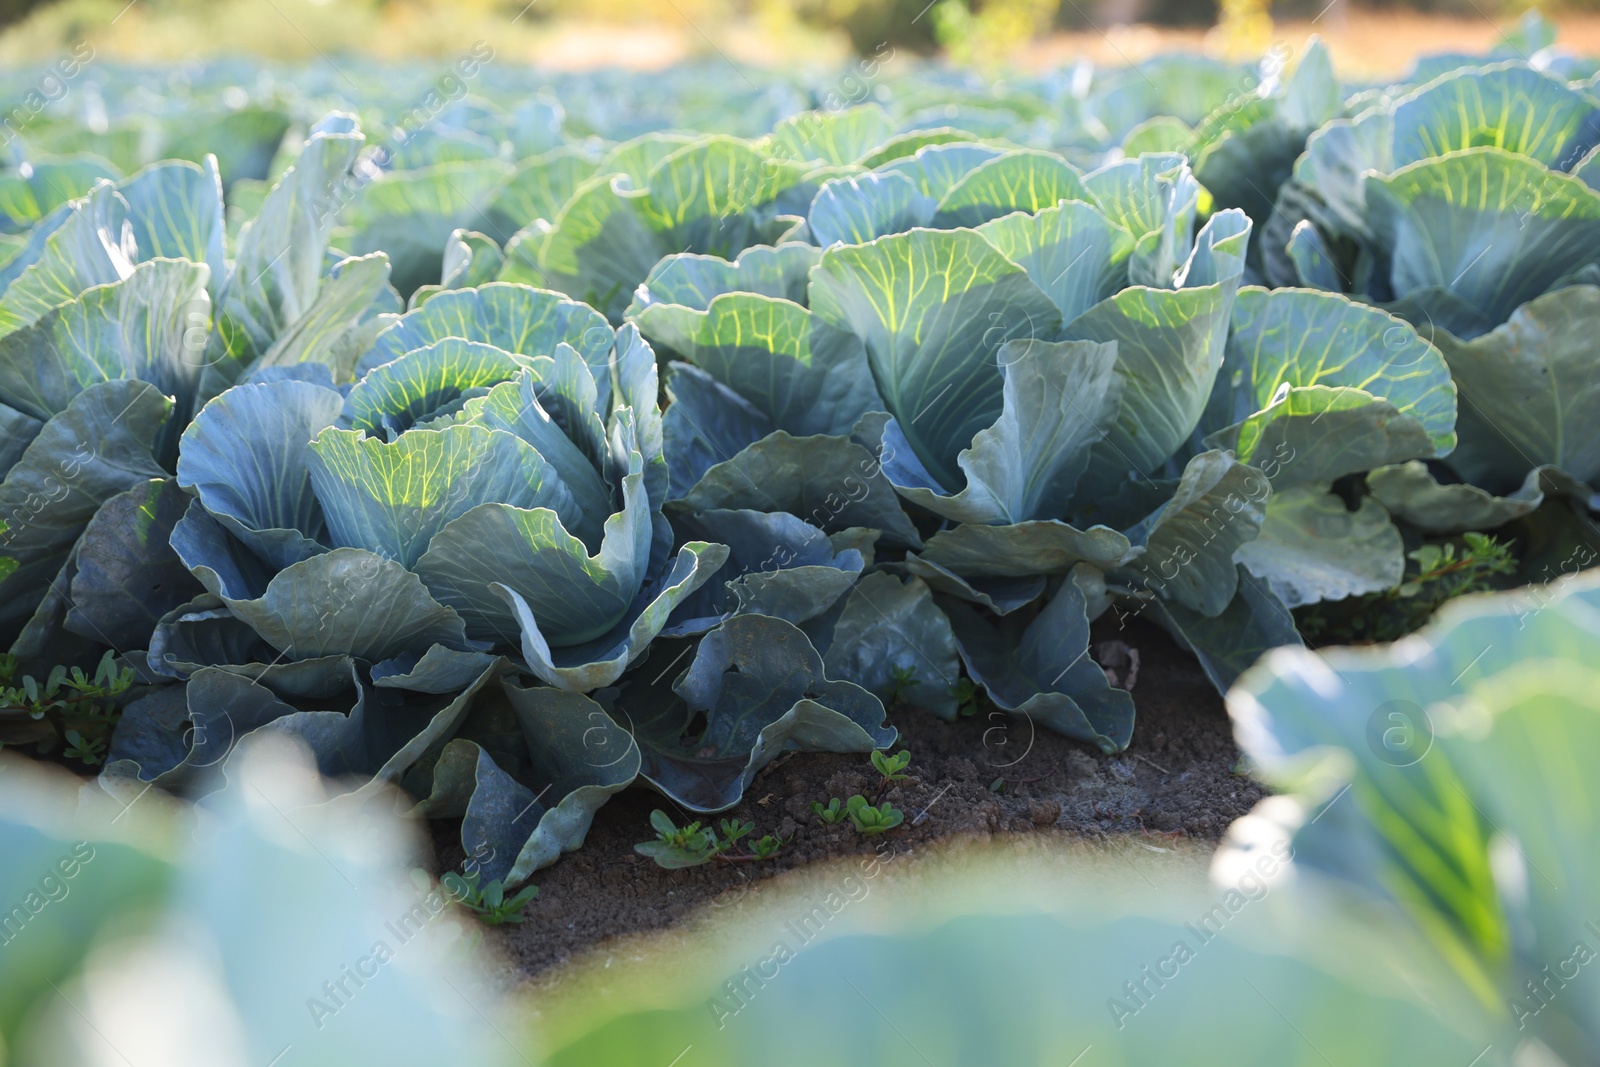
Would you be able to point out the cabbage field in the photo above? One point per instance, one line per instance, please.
(509, 441)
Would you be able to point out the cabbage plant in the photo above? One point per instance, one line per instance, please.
(1466, 206)
(485, 499)
(107, 349)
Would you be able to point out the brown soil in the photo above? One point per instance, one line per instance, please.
(975, 777)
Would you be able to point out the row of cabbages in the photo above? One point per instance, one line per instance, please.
(748, 438)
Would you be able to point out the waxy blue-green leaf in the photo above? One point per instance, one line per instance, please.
(1312, 548)
(1059, 400)
(576, 755)
(713, 196)
(96, 448)
(636, 421)
(1170, 345)
(538, 190)
(763, 691)
(1188, 86)
(600, 662)
(1312, 95)
(127, 574)
(278, 268)
(1419, 733)
(636, 158)
(694, 280)
(936, 167)
(705, 423)
(1024, 549)
(425, 384)
(1411, 494)
(575, 596)
(1229, 643)
(137, 327)
(550, 405)
(833, 136)
(1510, 106)
(1495, 228)
(347, 602)
(1317, 433)
(1335, 164)
(933, 308)
(175, 212)
(1247, 156)
(1158, 134)
(597, 250)
(514, 318)
(855, 210)
(1313, 265)
(885, 628)
(25, 198)
(247, 457)
(392, 497)
(1154, 197)
(440, 144)
(352, 305)
(1040, 668)
(1528, 389)
(1071, 251)
(1189, 543)
(470, 259)
(1301, 338)
(830, 482)
(778, 565)
(93, 245)
(204, 634)
(909, 145)
(806, 376)
(411, 214)
(1025, 180)
(177, 736)
(440, 669)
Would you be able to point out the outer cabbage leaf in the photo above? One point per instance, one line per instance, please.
(763, 691)
(1312, 548)
(1040, 668)
(1529, 387)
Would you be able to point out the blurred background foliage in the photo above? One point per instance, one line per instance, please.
(655, 33)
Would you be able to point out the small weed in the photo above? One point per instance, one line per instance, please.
(967, 696)
(891, 766)
(690, 846)
(873, 820)
(489, 903)
(832, 814)
(69, 710)
(904, 680)
(1437, 573)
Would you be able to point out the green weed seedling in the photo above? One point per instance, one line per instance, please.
(967, 695)
(690, 846)
(873, 820)
(69, 709)
(489, 903)
(904, 680)
(890, 766)
(832, 813)
(676, 847)
(1438, 572)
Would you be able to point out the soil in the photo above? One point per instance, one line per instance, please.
(980, 777)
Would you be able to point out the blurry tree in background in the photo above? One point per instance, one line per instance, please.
(973, 31)
(903, 23)
(13, 10)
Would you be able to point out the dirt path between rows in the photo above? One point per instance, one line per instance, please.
(975, 778)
